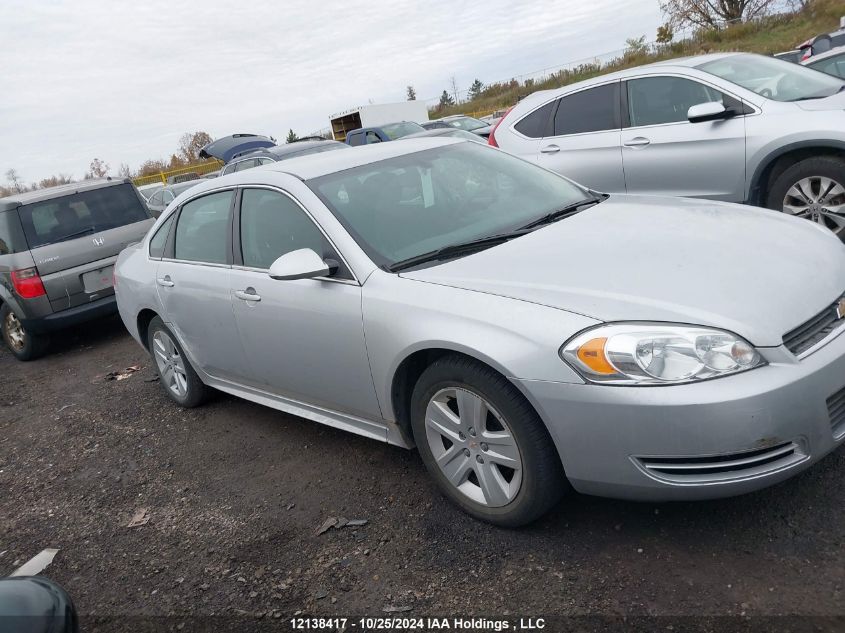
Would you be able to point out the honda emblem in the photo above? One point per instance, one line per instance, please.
(98, 241)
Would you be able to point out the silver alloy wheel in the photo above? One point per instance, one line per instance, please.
(473, 446)
(817, 198)
(171, 365)
(15, 332)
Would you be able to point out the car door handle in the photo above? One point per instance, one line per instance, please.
(639, 141)
(165, 281)
(248, 295)
(550, 149)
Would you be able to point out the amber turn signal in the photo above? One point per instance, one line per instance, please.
(592, 355)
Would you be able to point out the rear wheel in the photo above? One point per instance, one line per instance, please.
(21, 342)
(177, 376)
(813, 189)
(484, 444)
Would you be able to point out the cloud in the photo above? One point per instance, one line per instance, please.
(122, 82)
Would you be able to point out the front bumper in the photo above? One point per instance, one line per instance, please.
(606, 435)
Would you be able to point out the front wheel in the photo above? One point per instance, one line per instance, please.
(813, 189)
(484, 444)
(177, 376)
(21, 342)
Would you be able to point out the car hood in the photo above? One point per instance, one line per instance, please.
(755, 272)
(833, 102)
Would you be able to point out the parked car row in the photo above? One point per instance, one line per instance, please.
(526, 333)
(733, 127)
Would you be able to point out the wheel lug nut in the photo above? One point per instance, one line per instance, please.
(479, 459)
(484, 446)
(466, 452)
(472, 432)
(462, 436)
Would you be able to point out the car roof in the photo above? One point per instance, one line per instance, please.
(58, 191)
(668, 64)
(822, 56)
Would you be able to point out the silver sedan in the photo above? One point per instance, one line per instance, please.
(526, 334)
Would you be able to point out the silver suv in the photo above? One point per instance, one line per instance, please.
(57, 252)
(733, 127)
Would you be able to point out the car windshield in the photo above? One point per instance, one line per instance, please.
(184, 186)
(398, 130)
(466, 123)
(409, 205)
(773, 78)
(82, 213)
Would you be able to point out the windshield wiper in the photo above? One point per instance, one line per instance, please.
(570, 209)
(454, 250)
(69, 236)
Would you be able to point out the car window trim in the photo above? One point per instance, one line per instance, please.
(617, 113)
(236, 235)
(743, 102)
(170, 216)
(170, 247)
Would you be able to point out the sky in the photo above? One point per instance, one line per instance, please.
(122, 81)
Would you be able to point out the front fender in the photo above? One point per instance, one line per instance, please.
(518, 339)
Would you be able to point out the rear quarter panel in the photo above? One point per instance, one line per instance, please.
(135, 286)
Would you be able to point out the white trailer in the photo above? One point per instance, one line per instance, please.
(375, 115)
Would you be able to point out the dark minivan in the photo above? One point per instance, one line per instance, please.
(57, 251)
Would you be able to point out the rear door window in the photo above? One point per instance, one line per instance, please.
(80, 214)
(592, 110)
(202, 231)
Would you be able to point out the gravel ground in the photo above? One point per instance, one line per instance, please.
(235, 492)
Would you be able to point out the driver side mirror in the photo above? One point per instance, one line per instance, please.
(710, 111)
(301, 264)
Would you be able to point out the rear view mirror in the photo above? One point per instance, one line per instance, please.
(710, 111)
(301, 264)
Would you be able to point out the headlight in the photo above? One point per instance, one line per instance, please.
(655, 354)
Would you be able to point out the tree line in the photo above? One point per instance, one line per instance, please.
(186, 154)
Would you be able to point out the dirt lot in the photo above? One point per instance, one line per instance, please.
(235, 493)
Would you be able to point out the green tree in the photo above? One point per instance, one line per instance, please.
(412, 94)
(446, 100)
(665, 33)
(291, 137)
(475, 89)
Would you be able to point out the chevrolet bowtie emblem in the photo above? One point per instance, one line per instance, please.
(840, 309)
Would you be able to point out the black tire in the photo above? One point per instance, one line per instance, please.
(32, 345)
(196, 392)
(543, 481)
(822, 166)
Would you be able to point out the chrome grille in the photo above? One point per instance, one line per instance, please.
(814, 330)
(836, 412)
(716, 468)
